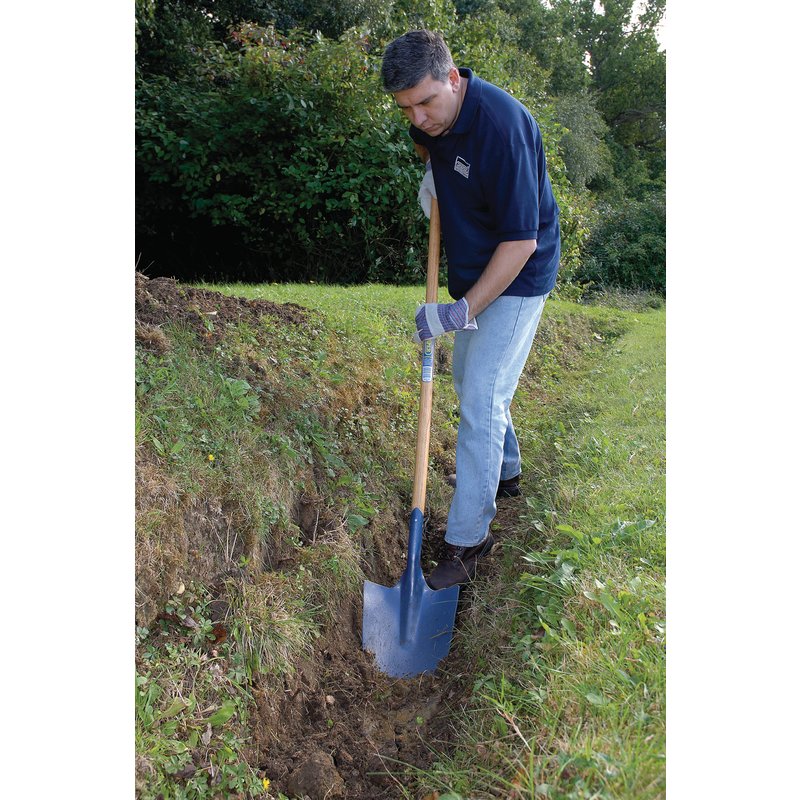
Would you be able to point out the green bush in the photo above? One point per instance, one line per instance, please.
(627, 246)
(276, 156)
(300, 169)
(586, 154)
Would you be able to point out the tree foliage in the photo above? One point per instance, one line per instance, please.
(586, 153)
(628, 72)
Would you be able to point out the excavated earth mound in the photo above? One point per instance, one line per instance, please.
(164, 300)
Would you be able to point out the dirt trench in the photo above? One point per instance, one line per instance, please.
(343, 729)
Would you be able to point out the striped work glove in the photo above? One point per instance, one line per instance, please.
(434, 319)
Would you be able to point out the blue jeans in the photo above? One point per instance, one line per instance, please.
(487, 364)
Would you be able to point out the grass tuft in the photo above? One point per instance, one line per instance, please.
(271, 626)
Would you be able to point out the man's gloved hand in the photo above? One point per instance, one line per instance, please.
(434, 319)
(427, 190)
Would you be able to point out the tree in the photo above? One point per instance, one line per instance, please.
(628, 71)
(586, 154)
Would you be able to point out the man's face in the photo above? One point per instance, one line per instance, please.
(431, 105)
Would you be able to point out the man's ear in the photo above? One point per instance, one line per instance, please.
(454, 77)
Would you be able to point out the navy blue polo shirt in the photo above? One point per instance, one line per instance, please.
(492, 185)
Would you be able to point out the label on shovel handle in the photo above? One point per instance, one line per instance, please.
(427, 361)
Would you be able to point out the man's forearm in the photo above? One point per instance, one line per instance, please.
(505, 264)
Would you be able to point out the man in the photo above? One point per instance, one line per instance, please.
(486, 165)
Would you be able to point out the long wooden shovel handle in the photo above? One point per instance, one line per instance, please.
(426, 384)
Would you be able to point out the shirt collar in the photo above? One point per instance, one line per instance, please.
(471, 100)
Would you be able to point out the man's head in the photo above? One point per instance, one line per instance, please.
(411, 58)
(419, 71)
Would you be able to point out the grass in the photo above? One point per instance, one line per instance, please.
(572, 703)
(565, 646)
(233, 442)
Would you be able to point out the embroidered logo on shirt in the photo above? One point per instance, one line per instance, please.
(461, 167)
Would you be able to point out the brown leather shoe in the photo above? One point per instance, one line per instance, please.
(459, 564)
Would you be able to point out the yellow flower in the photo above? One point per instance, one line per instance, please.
(265, 783)
(210, 457)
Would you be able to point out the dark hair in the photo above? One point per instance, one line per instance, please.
(410, 58)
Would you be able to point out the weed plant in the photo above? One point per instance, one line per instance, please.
(192, 709)
(272, 628)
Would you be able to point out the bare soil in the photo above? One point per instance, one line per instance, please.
(337, 728)
(162, 300)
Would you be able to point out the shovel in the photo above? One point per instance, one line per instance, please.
(408, 627)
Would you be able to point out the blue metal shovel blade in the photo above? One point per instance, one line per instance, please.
(409, 626)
